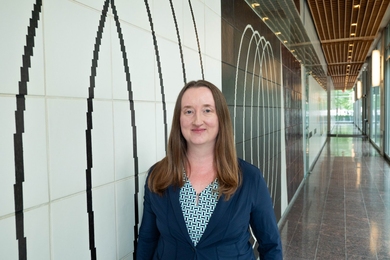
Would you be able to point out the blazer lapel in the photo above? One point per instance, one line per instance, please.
(174, 195)
(220, 212)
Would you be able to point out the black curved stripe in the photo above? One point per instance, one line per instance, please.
(90, 120)
(18, 136)
(197, 38)
(159, 74)
(134, 128)
(179, 42)
(88, 132)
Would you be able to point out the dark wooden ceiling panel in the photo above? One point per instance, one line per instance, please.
(347, 29)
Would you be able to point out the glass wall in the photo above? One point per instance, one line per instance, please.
(344, 106)
(375, 134)
(387, 92)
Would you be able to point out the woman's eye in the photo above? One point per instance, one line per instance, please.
(188, 112)
(207, 110)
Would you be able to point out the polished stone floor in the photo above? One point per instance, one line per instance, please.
(343, 209)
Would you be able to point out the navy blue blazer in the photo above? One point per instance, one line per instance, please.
(163, 233)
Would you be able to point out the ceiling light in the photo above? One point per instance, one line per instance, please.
(354, 24)
(356, 6)
(359, 89)
(353, 34)
(265, 19)
(277, 33)
(284, 41)
(376, 67)
(254, 5)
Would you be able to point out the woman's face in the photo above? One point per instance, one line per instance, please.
(198, 117)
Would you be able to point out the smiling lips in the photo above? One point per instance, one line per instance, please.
(198, 130)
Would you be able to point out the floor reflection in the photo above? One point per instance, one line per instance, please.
(343, 210)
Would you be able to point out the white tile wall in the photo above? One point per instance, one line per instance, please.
(69, 228)
(146, 135)
(102, 143)
(189, 36)
(55, 218)
(16, 13)
(7, 165)
(212, 24)
(123, 134)
(37, 231)
(70, 31)
(103, 80)
(134, 12)
(8, 242)
(36, 184)
(67, 146)
(171, 68)
(125, 218)
(141, 60)
(105, 221)
(192, 64)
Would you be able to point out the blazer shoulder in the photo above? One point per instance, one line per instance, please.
(248, 170)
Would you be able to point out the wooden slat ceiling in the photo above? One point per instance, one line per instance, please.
(347, 29)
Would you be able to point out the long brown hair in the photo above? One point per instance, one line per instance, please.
(169, 171)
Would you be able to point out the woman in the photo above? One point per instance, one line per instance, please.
(200, 199)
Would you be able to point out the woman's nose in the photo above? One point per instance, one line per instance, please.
(198, 119)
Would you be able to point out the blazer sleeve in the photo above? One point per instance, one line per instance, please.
(263, 221)
(148, 233)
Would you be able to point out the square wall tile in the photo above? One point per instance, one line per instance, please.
(125, 216)
(104, 216)
(67, 146)
(214, 5)
(69, 46)
(141, 60)
(160, 142)
(7, 157)
(37, 233)
(192, 64)
(173, 78)
(163, 19)
(102, 143)
(36, 184)
(190, 39)
(8, 241)
(146, 135)
(212, 41)
(123, 140)
(69, 228)
(213, 71)
(134, 12)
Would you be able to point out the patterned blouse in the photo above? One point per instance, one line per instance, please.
(197, 209)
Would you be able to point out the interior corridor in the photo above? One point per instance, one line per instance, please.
(343, 209)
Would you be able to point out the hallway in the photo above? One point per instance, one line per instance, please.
(343, 209)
